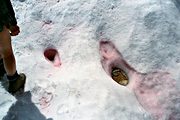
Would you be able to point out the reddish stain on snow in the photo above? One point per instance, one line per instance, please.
(155, 91)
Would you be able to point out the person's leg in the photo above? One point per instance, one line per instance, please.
(7, 52)
(16, 81)
(2, 70)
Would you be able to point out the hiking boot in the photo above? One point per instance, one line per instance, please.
(2, 70)
(17, 84)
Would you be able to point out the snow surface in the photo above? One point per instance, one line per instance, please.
(146, 32)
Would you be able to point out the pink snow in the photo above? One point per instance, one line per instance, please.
(155, 91)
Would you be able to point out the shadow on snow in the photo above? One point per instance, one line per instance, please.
(24, 109)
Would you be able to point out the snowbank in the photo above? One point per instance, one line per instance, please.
(145, 31)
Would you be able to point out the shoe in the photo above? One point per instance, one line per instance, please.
(119, 76)
(18, 84)
(2, 70)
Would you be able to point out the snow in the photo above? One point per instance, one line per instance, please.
(146, 32)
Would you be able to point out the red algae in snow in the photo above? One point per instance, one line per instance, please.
(156, 91)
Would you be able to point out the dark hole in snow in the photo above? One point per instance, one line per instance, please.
(50, 54)
(120, 76)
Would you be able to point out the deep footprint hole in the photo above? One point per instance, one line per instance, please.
(50, 53)
(107, 49)
(120, 76)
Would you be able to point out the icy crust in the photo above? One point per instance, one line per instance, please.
(147, 28)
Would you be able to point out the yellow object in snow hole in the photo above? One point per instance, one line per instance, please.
(119, 76)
